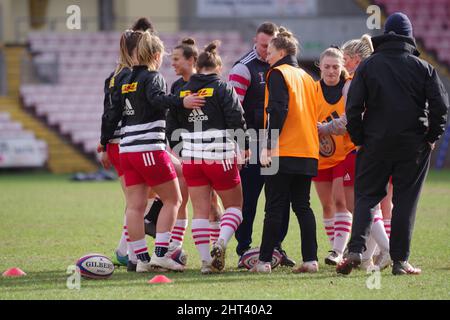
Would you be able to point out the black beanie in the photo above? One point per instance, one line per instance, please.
(399, 23)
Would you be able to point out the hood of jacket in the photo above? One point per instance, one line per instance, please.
(395, 42)
(199, 81)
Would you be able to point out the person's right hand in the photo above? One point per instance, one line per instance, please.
(193, 101)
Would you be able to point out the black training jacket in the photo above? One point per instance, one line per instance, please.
(145, 105)
(205, 128)
(396, 101)
(112, 107)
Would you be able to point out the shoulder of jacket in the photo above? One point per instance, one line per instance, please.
(249, 57)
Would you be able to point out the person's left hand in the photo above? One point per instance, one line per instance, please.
(265, 157)
(106, 163)
(243, 158)
(100, 148)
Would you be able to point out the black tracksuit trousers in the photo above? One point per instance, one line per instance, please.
(281, 190)
(408, 173)
(252, 184)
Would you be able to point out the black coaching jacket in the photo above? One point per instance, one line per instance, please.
(396, 101)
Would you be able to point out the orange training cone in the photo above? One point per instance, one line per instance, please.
(14, 272)
(160, 279)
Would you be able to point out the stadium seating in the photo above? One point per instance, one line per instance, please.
(431, 21)
(19, 147)
(80, 62)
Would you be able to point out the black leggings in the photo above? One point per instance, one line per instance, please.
(281, 190)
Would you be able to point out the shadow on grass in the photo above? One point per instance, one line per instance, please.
(56, 280)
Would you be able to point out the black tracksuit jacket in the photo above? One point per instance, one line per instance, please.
(396, 101)
(222, 111)
(112, 107)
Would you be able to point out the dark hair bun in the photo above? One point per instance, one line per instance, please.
(212, 47)
(188, 41)
(143, 24)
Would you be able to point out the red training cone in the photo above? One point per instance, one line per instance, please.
(160, 279)
(14, 272)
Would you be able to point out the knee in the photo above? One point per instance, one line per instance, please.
(328, 210)
(340, 205)
(301, 208)
(175, 201)
(136, 208)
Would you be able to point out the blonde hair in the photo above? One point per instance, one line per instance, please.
(333, 52)
(362, 47)
(149, 46)
(285, 40)
(128, 42)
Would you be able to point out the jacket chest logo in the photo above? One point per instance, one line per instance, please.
(261, 78)
(131, 87)
(327, 146)
(205, 92)
(197, 115)
(128, 109)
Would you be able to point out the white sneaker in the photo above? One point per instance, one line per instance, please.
(218, 255)
(165, 262)
(307, 267)
(147, 267)
(333, 258)
(206, 267)
(383, 260)
(262, 267)
(367, 264)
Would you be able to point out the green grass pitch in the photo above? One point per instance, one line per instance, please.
(48, 222)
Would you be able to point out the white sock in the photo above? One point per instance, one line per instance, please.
(377, 251)
(178, 232)
(214, 228)
(387, 227)
(162, 243)
(122, 247)
(140, 249)
(131, 255)
(371, 246)
(229, 223)
(342, 229)
(329, 229)
(200, 233)
(378, 232)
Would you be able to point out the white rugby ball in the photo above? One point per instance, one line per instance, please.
(251, 257)
(95, 266)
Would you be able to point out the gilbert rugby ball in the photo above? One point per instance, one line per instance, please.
(251, 257)
(95, 266)
(180, 256)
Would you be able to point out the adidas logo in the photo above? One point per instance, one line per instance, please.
(197, 115)
(129, 111)
(347, 177)
(339, 235)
